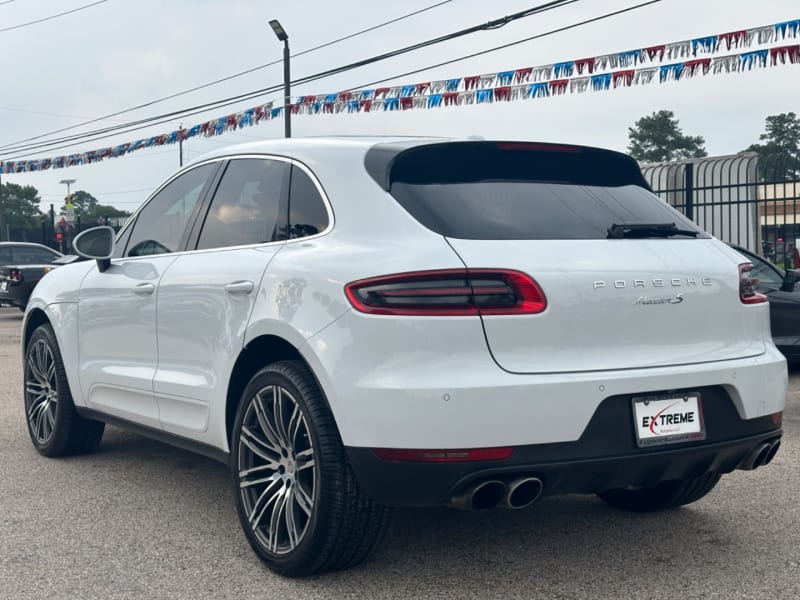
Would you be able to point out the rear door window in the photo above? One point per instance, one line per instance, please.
(248, 206)
(33, 256)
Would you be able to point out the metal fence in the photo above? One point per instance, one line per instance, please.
(743, 199)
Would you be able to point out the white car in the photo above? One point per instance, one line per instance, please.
(355, 324)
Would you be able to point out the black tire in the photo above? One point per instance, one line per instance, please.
(55, 427)
(662, 496)
(302, 466)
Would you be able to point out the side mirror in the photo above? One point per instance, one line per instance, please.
(792, 277)
(97, 243)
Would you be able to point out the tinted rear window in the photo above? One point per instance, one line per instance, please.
(511, 191)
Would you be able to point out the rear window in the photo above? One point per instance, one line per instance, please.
(520, 191)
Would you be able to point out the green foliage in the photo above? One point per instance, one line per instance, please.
(19, 212)
(658, 138)
(89, 209)
(779, 152)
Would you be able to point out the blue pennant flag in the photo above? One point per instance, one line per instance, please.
(276, 112)
(316, 107)
(601, 82)
(434, 101)
(391, 104)
(675, 71)
(484, 96)
(538, 90)
(367, 94)
(505, 77)
(788, 29)
(452, 84)
(709, 44)
(172, 137)
(331, 98)
(755, 59)
(629, 58)
(408, 90)
(195, 130)
(564, 69)
(353, 106)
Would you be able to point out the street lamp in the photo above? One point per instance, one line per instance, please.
(69, 182)
(282, 36)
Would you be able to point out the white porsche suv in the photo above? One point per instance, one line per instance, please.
(355, 324)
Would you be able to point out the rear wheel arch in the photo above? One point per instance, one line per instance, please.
(259, 352)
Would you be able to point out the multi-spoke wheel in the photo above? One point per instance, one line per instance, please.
(298, 501)
(54, 426)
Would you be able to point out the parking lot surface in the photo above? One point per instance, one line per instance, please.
(140, 519)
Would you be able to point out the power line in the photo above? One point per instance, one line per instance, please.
(139, 124)
(51, 17)
(510, 44)
(229, 77)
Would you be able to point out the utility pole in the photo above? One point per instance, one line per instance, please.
(181, 131)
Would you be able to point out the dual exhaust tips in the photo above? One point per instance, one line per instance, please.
(516, 493)
(761, 456)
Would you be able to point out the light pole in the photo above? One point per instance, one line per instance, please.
(69, 182)
(282, 36)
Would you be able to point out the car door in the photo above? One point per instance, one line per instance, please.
(206, 296)
(118, 351)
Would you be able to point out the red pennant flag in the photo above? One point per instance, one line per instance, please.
(584, 63)
(623, 77)
(503, 93)
(450, 98)
(654, 52)
(559, 86)
(692, 66)
(471, 82)
(522, 75)
(734, 38)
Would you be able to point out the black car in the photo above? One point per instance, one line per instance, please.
(784, 302)
(22, 265)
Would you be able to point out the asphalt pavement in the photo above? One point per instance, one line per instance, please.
(139, 519)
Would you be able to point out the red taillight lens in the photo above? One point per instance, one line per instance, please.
(747, 286)
(777, 418)
(15, 275)
(439, 456)
(451, 292)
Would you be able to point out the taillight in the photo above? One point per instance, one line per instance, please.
(777, 418)
(15, 275)
(747, 286)
(461, 455)
(450, 292)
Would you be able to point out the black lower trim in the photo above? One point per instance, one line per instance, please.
(157, 434)
(605, 457)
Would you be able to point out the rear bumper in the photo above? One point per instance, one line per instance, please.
(605, 457)
(17, 294)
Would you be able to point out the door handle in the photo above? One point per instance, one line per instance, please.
(239, 287)
(144, 289)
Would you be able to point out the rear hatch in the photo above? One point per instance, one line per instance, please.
(629, 282)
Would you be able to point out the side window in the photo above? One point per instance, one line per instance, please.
(246, 208)
(33, 256)
(307, 214)
(160, 225)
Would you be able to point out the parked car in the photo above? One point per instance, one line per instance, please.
(780, 287)
(354, 324)
(22, 265)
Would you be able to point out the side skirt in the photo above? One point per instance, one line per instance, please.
(157, 434)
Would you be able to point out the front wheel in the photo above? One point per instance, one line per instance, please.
(297, 498)
(55, 427)
(662, 496)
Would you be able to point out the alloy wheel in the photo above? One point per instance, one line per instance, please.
(41, 391)
(276, 470)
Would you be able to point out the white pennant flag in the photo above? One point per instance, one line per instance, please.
(645, 76)
(579, 85)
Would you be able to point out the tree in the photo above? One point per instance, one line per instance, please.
(21, 216)
(779, 154)
(89, 209)
(658, 138)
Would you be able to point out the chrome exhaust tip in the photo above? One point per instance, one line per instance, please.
(756, 458)
(773, 450)
(523, 492)
(481, 496)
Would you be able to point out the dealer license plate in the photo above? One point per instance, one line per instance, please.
(668, 419)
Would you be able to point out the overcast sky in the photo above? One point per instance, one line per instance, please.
(121, 53)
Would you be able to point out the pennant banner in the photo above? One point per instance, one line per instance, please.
(571, 77)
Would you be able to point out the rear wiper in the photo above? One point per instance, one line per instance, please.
(618, 231)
